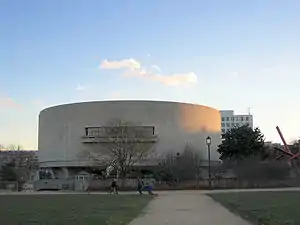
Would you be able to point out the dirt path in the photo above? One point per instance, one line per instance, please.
(186, 208)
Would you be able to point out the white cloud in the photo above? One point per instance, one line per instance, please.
(80, 88)
(156, 67)
(177, 79)
(125, 63)
(169, 80)
(134, 69)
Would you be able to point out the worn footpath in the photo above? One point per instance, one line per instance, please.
(186, 208)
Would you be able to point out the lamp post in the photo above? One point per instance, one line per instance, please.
(208, 143)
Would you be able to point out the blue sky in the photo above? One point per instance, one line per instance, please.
(225, 54)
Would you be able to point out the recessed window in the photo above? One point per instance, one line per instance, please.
(223, 124)
(242, 118)
(111, 130)
(223, 130)
(232, 118)
(247, 118)
(227, 118)
(228, 124)
(223, 118)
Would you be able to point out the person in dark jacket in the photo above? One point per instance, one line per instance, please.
(114, 187)
(140, 185)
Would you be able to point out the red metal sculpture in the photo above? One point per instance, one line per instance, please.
(286, 151)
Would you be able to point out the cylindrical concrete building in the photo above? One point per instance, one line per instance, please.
(65, 130)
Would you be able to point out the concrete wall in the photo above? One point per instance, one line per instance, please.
(61, 128)
(54, 184)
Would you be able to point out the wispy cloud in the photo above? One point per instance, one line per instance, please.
(80, 88)
(156, 67)
(121, 64)
(134, 69)
(169, 80)
(9, 103)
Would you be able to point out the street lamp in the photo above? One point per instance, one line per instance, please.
(208, 143)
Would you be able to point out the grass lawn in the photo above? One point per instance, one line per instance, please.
(70, 209)
(268, 208)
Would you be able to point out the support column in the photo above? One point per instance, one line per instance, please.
(66, 172)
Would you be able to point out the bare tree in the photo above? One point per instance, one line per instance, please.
(11, 147)
(254, 169)
(126, 145)
(181, 166)
(294, 146)
(2, 147)
(14, 147)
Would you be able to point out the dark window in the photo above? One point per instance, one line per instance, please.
(116, 131)
(232, 118)
(223, 124)
(227, 118)
(223, 130)
(242, 118)
(228, 124)
(223, 118)
(247, 118)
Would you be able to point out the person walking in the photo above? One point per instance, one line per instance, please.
(140, 185)
(114, 187)
(149, 186)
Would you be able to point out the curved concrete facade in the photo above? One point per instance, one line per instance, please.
(62, 128)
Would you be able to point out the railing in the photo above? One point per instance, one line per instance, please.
(90, 139)
(119, 134)
(110, 130)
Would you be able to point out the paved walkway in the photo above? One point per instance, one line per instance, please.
(186, 208)
(161, 193)
(179, 207)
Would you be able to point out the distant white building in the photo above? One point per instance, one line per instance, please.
(230, 120)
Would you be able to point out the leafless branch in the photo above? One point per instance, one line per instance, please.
(126, 145)
(11, 147)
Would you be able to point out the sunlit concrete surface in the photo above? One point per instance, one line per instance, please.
(186, 208)
(177, 125)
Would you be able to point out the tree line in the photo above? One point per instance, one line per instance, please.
(11, 147)
(8, 170)
(243, 151)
